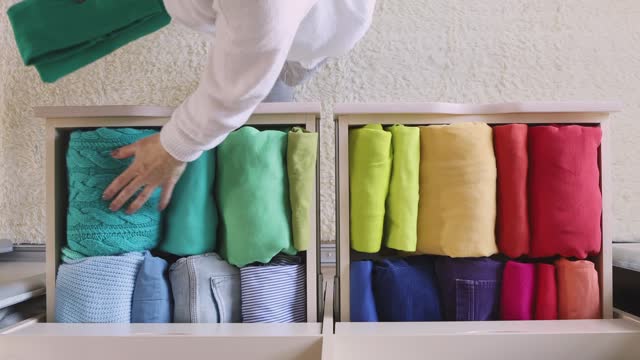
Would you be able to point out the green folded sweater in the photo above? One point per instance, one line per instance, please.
(252, 191)
(302, 150)
(191, 220)
(61, 36)
(369, 170)
(93, 229)
(401, 218)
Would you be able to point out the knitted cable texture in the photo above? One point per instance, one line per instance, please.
(97, 289)
(93, 229)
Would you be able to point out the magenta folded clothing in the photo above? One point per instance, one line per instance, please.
(517, 293)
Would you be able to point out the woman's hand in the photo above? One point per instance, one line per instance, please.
(152, 167)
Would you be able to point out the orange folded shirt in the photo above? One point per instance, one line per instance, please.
(578, 290)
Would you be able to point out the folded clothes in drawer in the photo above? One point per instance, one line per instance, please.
(564, 183)
(363, 303)
(152, 294)
(406, 290)
(97, 289)
(206, 289)
(457, 209)
(274, 292)
(93, 229)
(470, 288)
(253, 196)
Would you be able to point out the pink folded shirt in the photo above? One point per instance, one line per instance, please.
(517, 294)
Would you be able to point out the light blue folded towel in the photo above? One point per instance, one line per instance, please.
(97, 289)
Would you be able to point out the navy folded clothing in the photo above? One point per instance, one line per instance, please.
(406, 290)
(469, 288)
(363, 305)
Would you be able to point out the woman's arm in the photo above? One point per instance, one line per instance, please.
(252, 41)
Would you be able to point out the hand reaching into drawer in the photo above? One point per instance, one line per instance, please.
(152, 167)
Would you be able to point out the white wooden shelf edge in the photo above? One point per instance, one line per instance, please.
(478, 109)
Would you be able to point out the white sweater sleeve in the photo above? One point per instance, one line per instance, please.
(252, 40)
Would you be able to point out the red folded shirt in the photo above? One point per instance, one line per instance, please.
(546, 303)
(510, 144)
(565, 203)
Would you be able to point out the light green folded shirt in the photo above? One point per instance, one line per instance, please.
(369, 170)
(191, 220)
(401, 218)
(302, 151)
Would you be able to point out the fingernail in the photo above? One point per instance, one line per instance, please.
(114, 153)
(105, 196)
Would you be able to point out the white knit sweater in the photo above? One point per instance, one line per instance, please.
(252, 41)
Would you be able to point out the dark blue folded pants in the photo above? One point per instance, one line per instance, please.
(469, 288)
(406, 290)
(363, 306)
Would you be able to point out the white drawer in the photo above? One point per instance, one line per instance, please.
(162, 341)
(522, 340)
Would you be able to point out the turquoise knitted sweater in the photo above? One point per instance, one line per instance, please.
(92, 229)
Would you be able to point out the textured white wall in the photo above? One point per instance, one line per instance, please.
(417, 50)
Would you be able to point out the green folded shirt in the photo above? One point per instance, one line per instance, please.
(252, 191)
(61, 36)
(191, 220)
(401, 218)
(302, 151)
(369, 170)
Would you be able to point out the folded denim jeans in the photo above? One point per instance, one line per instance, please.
(469, 288)
(363, 303)
(152, 294)
(206, 289)
(406, 290)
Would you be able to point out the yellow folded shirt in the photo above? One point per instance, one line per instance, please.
(457, 206)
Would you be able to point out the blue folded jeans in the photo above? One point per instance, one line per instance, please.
(470, 288)
(152, 294)
(363, 304)
(206, 289)
(406, 290)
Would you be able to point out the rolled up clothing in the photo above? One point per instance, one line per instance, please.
(191, 221)
(401, 217)
(517, 291)
(93, 229)
(152, 293)
(363, 303)
(469, 288)
(369, 171)
(275, 292)
(206, 289)
(510, 144)
(546, 304)
(578, 290)
(59, 37)
(97, 289)
(406, 290)
(302, 153)
(565, 178)
(253, 196)
(457, 207)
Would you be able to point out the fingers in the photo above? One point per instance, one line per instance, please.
(167, 191)
(126, 194)
(124, 152)
(141, 199)
(120, 182)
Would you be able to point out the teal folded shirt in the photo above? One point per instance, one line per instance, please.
(93, 229)
(61, 36)
(191, 220)
(253, 196)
